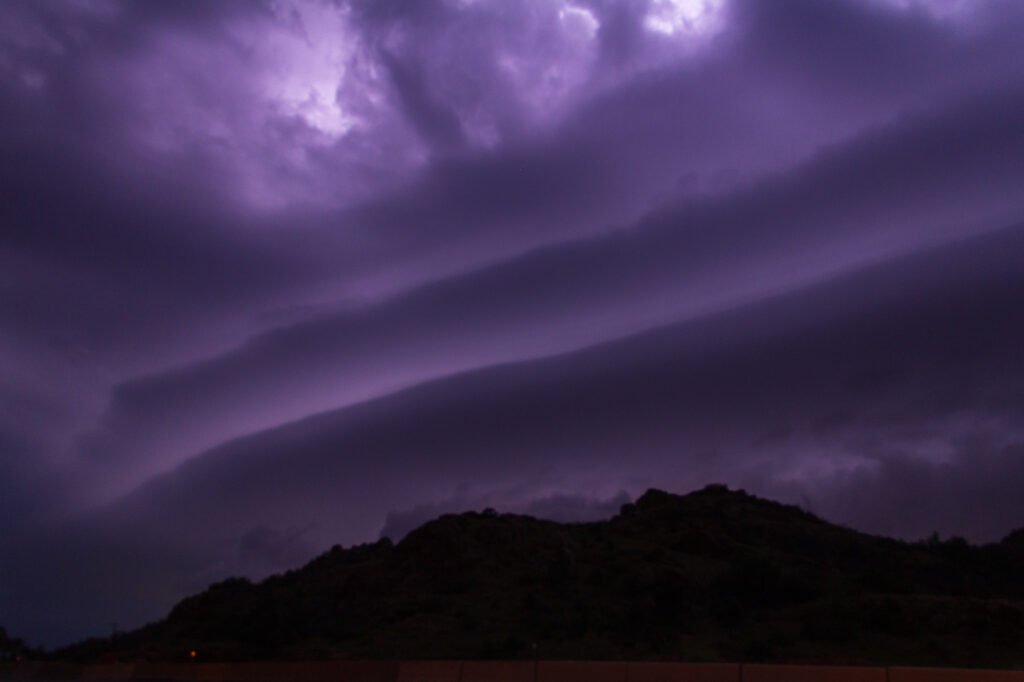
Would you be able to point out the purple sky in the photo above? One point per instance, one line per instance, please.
(280, 275)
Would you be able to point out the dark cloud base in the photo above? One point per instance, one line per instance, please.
(746, 397)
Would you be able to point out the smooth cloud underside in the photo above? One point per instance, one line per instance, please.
(281, 275)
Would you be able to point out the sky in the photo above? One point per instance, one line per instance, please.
(281, 275)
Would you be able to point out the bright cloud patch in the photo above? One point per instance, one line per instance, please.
(682, 16)
(579, 20)
(306, 65)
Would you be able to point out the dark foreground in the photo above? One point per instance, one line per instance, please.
(713, 576)
(495, 671)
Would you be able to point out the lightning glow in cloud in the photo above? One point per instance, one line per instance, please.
(306, 65)
(692, 17)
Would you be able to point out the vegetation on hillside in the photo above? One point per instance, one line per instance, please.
(11, 648)
(713, 575)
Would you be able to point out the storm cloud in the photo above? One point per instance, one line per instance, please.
(282, 275)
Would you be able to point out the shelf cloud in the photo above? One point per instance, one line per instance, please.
(280, 275)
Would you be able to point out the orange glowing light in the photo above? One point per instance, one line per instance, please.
(192, 654)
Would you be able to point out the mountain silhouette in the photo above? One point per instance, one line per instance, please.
(713, 575)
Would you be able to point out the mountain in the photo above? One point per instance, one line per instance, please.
(713, 575)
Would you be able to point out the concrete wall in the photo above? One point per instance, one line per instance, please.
(944, 675)
(498, 671)
(429, 671)
(581, 671)
(682, 672)
(803, 673)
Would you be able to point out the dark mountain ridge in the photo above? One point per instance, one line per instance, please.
(712, 575)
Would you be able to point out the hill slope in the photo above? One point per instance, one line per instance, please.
(713, 575)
